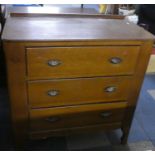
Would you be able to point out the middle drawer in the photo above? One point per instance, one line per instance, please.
(78, 91)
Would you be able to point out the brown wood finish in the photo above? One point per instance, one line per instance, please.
(33, 37)
(76, 130)
(78, 91)
(65, 15)
(71, 29)
(75, 116)
(76, 61)
(17, 89)
(141, 67)
(72, 43)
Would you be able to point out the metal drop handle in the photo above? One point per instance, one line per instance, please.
(54, 63)
(106, 114)
(53, 92)
(110, 89)
(115, 60)
(52, 119)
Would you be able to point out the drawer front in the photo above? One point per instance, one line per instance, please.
(76, 116)
(63, 62)
(78, 91)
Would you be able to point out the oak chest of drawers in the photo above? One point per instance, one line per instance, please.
(68, 75)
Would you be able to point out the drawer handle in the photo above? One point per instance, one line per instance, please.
(105, 114)
(115, 60)
(52, 119)
(53, 92)
(54, 63)
(110, 89)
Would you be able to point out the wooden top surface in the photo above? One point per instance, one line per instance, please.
(64, 28)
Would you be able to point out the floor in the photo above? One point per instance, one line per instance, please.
(141, 137)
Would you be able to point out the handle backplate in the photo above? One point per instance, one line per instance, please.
(115, 60)
(110, 89)
(105, 114)
(53, 92)
(54, 63)
(52, 119)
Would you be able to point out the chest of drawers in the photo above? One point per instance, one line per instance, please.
(73, 75)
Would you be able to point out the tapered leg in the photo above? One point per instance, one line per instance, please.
(125, 135)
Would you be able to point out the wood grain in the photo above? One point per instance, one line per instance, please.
(141, 67)
(71, 28)
(83, 44)
(75, 116)
(78, 91)
(16, 66)
(77, 130)
(80, 61)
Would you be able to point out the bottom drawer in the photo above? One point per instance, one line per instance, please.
(76, 116)
(75, 130)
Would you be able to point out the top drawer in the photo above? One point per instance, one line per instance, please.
(71, 62)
